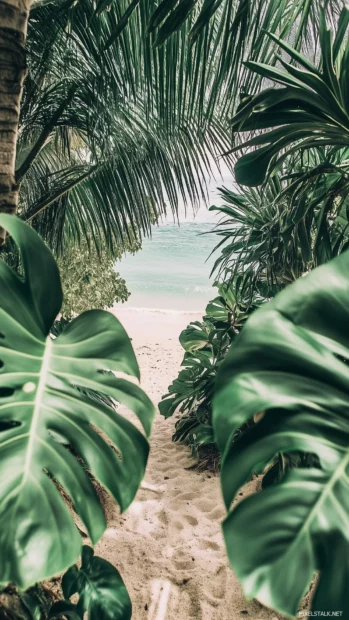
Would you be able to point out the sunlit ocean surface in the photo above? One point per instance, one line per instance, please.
(171, 272)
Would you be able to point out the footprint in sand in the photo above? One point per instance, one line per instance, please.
(170, 469)
(182, 524)
(191, 520)
(188, 496)
(162, 517)
(218, 514)
(182, 561)
(176, 506)
(175, 527)
(205, 505)
(174, 493)
(217, 586)
(209, 544)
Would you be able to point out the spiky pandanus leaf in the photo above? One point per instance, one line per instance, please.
(311, 109)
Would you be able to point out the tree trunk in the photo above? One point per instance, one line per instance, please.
(13, 29)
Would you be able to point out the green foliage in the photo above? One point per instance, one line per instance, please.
(213, 38)
(288, 368)
(205, 344)
(42, 410)
(102, 593)
(104, 127)
(39, 606)
(311, 109)
(290, 362)
(89, 279)
(276, 233)
(109, 120)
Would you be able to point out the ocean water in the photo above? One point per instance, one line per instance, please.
(171, 272)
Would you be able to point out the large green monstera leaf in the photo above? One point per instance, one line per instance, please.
(194, 337)
(41, 409)
(290, 362)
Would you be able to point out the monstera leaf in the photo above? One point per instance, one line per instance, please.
(290, 362)
(222, 308)
(40, 409)
(194, 337)
(102, 592)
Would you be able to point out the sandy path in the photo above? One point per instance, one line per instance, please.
(168, 546)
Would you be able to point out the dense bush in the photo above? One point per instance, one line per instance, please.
(288, 368)
(205, 344)
(89, 278)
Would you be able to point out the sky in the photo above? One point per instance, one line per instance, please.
(204, 215)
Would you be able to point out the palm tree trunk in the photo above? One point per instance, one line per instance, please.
(13, 29)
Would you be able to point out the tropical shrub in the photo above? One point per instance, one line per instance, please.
(89, 279)
(205, 344)
(291, 224)
(42, 410)
(311, 109)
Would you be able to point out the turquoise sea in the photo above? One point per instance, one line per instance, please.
(171, 272)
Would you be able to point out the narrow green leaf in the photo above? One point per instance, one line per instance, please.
(123, 22)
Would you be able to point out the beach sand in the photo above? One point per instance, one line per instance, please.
(168, 546)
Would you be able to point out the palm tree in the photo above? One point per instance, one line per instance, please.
(13, 26)
(131, 104)
(92, 157)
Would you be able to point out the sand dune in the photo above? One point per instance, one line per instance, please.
(168, 546)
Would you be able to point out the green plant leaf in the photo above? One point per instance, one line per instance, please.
(290, 362)
(202, 435)
(174, 21)
(221, 308)
(122, 23)
(102, 592)
(194, 337)
(251, 169)
(160, 13)
(63, 608)
(310, 111)
(32, 605)
(167, 406)
(39, 403)
(208, 9)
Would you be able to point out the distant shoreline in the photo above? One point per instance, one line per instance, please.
(129, 309)
(153, 325)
